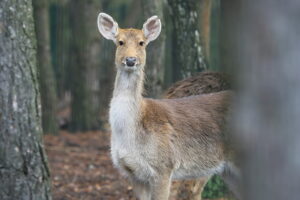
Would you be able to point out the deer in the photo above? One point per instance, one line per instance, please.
(154, 141)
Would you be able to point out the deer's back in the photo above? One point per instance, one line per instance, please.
(202, 83)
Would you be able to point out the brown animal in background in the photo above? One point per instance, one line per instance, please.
(156, 140)
(202, 83)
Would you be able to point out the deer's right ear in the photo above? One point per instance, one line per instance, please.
(107, 26)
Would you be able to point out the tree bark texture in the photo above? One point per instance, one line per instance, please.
(85, 66)
(265, 55)
(24, 172)
(188, 53)
(155, 66)
(46, 78)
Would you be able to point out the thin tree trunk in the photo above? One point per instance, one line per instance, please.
(155, 65)
(205, 27)
(46, 78)
(24, 172)
(86, 62)
(188, 51)
(214, 43)
(61, 46)
(264, 50)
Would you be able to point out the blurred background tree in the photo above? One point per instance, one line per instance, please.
(85, 62)
(263, 50)
(46, 79)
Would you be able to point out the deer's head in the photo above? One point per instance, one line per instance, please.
(131, 43)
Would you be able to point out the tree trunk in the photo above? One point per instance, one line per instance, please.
(46, 78)
(86, 62)
(214, 43)
(188, 52)
(60, 46)
(265, 55)
(156, 51)
(24, 172)
(205, 28)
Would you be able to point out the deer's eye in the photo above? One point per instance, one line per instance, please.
(141, 43)
(121, 43)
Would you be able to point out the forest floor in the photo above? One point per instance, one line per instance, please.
(81, 168)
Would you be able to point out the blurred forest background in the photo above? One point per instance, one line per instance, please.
(51, 51)
(78, 71)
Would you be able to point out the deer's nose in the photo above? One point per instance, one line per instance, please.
(130, 61)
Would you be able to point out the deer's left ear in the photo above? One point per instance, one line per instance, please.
(152, 28)
(107, 26)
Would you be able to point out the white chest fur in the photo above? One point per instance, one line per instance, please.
(126, 151)
(122, 121)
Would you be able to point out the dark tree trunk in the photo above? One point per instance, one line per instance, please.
(46, 78)
(265, 54)
(85, 66)
(60, 41)
(188, 53)
(24, 172)
(214, 43)
(155, 66)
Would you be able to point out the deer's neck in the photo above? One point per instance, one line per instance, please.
(129, 84)
(126, 102)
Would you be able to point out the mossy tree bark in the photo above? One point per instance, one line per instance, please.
(46, 78)
(155, 66)
(24, 172)
(85, 66)
(188, 54)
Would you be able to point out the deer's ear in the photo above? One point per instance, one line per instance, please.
(152, 28)
(107, 26)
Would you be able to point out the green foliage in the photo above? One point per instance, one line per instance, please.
(215, 188)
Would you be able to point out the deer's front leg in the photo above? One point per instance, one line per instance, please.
(160, 187)
(141, 190)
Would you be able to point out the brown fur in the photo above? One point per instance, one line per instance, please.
(198, 119)
(202, 83)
